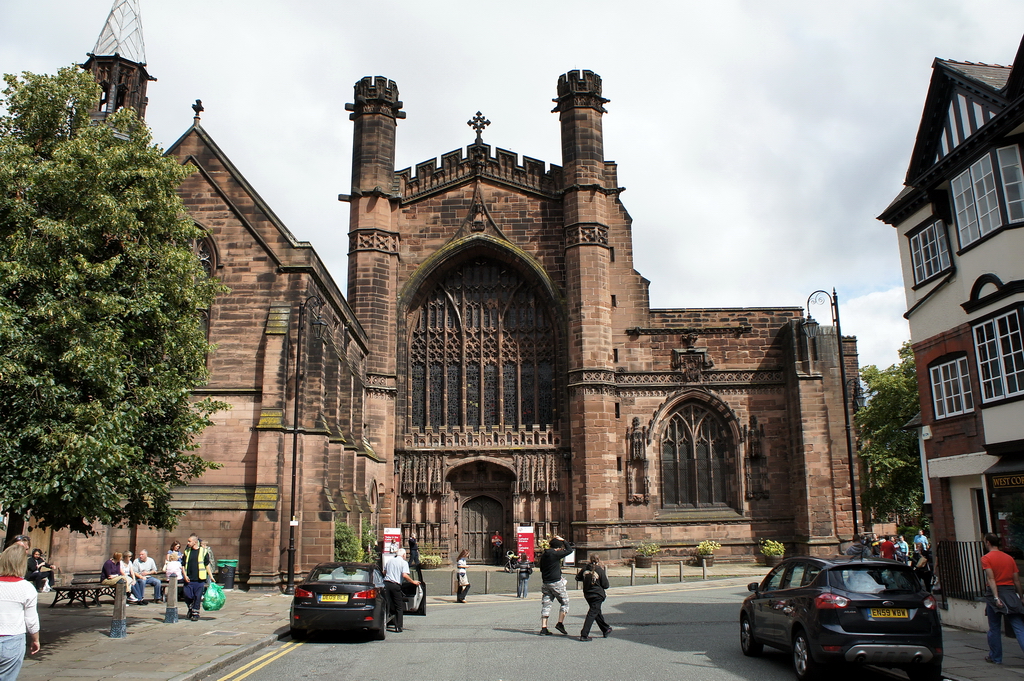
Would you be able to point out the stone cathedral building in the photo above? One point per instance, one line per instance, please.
(495, 362)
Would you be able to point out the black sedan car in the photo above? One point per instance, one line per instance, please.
(349, 597)
(844, 610)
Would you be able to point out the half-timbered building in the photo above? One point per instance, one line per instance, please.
(958, 218)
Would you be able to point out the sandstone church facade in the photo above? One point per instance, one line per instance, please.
(494, 363)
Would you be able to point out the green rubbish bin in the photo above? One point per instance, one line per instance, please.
(227, 572)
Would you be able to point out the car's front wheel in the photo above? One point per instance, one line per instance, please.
(750, 646)
(803, 662)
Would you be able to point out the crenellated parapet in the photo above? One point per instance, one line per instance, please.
(376, 95)
(476, 161)
(579, 89)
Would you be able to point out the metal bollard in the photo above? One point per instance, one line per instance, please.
(680, 571)
(455, 581)
(171, 613)
(487, 581)
(632, 574)
(119, 624)
(703, 569)
(657, 573)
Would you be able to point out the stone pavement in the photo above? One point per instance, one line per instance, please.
(76, 641)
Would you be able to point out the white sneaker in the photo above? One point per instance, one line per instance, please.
(46, 588)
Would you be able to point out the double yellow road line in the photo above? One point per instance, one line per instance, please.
(260, 662)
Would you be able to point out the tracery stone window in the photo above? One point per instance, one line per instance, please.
(481, 352)
(695, 453)
(205, 253)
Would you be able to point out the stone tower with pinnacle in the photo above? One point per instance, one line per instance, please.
(118, 61)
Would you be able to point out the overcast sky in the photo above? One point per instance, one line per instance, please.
(757, 140)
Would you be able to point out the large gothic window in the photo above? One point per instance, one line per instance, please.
(481, 352)
(695, 451)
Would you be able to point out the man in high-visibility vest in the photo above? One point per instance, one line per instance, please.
(195, 565)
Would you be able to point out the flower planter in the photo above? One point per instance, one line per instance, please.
(708, 560)
(772, 561)
(644, 561)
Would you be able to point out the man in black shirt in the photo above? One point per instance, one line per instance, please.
(194, 564)
(553, 586)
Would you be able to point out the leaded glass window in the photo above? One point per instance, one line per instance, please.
(481, 352)
(205, 254)
(694, 459)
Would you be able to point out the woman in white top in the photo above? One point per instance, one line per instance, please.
(19, 620)
(460, 571)
(126, 570)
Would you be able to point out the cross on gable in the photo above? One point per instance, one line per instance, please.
(478, 123)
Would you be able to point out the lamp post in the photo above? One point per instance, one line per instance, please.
(811, 329)
(318, 324)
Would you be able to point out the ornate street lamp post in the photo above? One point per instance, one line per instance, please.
(318, 325)
(811, 329)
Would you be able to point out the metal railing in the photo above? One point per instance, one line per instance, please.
(958, 565)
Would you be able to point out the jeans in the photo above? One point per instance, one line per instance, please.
(140, 587)
(553, 591)
(12, 654)
(523, 587)
(995, 634)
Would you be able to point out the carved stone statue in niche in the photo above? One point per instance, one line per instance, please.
(756, 460)
(479, 220)
(637, 480)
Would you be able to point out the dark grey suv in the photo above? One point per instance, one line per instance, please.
(843, 609)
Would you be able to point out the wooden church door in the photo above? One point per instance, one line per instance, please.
(480, 517)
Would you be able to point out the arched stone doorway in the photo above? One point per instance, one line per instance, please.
(483, 496)
(480, 517)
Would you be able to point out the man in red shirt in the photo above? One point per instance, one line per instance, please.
(1003, 581)
(886, 549)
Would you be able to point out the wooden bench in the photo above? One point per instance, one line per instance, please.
(84, 587)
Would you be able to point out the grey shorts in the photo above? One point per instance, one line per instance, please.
(553, 591)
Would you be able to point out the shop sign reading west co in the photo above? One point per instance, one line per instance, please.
(1008, 481)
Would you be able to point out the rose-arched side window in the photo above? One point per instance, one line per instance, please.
(695, 455)
(481, 352)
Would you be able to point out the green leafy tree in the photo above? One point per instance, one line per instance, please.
(346, 543)
(889, 452)
(101, 299)
(368, 539)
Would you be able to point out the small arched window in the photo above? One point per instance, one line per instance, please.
(696, 451)
(204, 251)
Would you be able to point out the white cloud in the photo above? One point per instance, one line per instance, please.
(877, 321)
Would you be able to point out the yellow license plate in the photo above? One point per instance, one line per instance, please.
(334, 598)
(889, 613)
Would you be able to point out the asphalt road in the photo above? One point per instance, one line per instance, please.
(687, 633)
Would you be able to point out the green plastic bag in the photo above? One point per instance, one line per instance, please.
(213, 598)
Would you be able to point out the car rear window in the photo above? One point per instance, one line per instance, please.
(340, 574)
(873, 579)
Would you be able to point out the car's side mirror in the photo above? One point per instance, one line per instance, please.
(753, 586)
